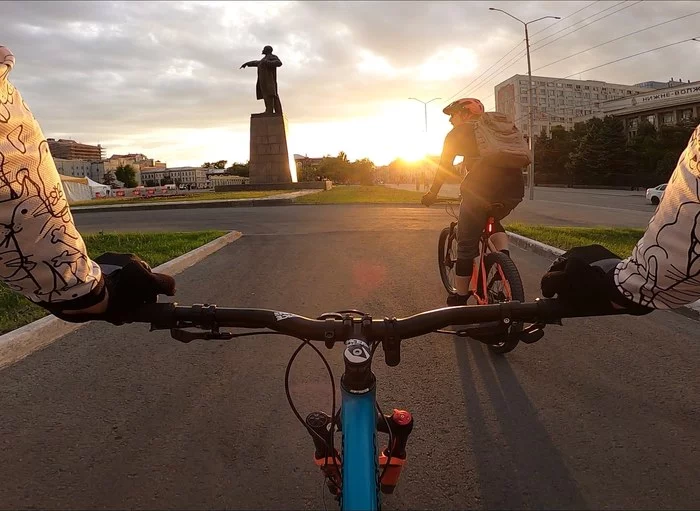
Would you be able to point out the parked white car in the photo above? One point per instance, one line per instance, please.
(654, 195)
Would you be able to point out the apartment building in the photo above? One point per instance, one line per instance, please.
(95, 170)
(556, 101)
(72, 150)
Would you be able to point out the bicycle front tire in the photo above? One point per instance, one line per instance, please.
(447, 259)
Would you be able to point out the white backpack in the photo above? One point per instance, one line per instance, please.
(500, 142)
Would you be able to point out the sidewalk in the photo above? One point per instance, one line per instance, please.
(152, 204)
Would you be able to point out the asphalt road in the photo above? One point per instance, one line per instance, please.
(601, 414)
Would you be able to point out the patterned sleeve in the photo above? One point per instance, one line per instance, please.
(664, 269)
(42, 255)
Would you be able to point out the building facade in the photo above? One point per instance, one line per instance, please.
(556, 101)
(190, 177)
(72, 150)
(661, 107)
(95, 170)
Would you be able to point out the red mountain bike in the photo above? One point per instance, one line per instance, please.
(495, 279)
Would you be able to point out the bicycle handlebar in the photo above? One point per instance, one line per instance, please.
(337, 328)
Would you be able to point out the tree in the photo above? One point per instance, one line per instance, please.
(238, 169)
(109, 178)
(127, 175)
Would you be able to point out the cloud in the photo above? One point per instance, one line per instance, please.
(124, 73)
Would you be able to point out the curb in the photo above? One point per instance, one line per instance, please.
(235, 203)
(18, 344)
(692, 310)
(272, 200)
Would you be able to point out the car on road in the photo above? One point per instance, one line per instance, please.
(654, 195)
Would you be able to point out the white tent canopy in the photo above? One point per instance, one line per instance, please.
(82, 188)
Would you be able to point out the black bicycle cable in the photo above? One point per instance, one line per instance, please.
(330, 448)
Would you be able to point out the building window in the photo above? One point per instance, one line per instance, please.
(542, 92)
(687, 114)
(586, 95)
(578, 87)
(560, 93)
(569, 86)
(560, 85)
(550, 84)
(577, 94)
(586, 87)
(651, 119)
(667, 118)
(550, 93)
(634, 123)
(523, 82)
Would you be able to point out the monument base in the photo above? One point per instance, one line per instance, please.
(269, 156)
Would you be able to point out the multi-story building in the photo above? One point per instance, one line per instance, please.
(95, 170)
(72, 150)
(660, 107)
(191, 177)
(556, 101)
(138, 162)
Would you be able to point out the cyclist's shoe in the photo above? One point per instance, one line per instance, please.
(453, 299)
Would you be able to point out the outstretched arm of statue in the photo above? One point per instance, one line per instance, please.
(250, 63)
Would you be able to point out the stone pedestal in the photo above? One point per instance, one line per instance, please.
(269, 157)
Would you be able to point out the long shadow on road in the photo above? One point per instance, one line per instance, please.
(518, 465)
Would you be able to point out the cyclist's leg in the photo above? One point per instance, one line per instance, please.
(509, 192)
(472, 218)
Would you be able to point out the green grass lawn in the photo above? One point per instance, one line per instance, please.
(155, 248)
(621, 241)
(186, 197)
(355, 194)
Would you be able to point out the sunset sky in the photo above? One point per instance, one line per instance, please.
(163, 78)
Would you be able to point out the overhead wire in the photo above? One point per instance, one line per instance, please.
(558, 80)
(617, 39)
(515, 59)
(524, 52)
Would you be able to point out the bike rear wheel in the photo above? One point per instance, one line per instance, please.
(503, 284)
(447, 259)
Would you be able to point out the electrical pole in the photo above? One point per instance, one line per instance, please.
(531, 137)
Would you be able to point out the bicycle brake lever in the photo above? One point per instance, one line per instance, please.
(186, 336)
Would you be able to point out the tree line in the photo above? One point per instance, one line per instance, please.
(599, 152)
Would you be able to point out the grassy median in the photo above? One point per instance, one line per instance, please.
(620, 241)
(355, 194)
(155, 248)
(204, 196)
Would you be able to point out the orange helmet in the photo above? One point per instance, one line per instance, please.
(471, 106)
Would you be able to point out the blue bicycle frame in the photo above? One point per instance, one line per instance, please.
(358, 418)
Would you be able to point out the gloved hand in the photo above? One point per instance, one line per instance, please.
(583, 278)
(129, 282)
(429, 199)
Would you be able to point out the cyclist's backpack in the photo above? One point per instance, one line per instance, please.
(500, 142)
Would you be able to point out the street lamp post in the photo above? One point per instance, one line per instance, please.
(425, 110)
(531, 137)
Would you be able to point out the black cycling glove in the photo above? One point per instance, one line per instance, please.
(129, 282)
(583, 279)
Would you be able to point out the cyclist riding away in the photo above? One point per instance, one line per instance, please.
(483, 187)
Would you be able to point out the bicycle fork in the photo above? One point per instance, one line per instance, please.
(398, 425)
